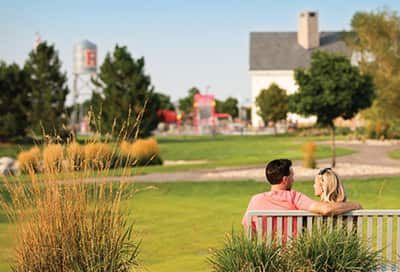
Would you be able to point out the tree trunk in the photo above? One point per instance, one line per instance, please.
(333, 146)
(275, 129)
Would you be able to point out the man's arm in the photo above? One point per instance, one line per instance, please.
(333, 208)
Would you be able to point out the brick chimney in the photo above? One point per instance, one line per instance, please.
(308, 34)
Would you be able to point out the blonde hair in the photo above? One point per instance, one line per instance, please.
(332, 187)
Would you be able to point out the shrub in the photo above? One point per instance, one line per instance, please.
(53, 156)
(309, 155)
(29, 161)
(327, 250)
(146, 152)
(241, 254)
(126, 154)
(75, 156)
(98, 156)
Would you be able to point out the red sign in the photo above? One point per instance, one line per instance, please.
(90, 58)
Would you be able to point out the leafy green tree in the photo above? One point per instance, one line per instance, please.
(331, 88)
(165, 102)
(230, 105)
(272, 104)
(375, 37)
(47, 90)
(127, 96)
(186, 103)
(13, 102)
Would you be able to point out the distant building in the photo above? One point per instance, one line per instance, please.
(275, 55)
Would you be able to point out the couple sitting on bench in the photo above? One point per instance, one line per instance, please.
(280, 175)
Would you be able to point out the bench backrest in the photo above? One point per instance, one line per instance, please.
(371, 226)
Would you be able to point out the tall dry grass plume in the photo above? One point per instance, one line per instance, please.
(65, 222)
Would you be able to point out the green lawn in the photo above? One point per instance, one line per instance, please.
(179, 222)
(395, 154)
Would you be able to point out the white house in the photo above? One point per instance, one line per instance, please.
(275, 55)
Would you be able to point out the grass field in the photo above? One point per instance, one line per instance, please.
(395, 154)
(179, 222)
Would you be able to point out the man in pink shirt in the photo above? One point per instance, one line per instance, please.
(280, 175)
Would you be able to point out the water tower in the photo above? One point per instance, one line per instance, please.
(85, 68)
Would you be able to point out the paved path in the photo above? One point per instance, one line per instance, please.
(371, 160)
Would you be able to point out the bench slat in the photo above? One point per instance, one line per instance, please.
(289, 227)
(269, 229)
(369, 231)
(389, 238)
(379, 232)
(349, 220)
(309, 224)
(279, 229)
(299, 224)
(339, 221)
(398, 240)
(259, 227)
(329, 222)
(360, 226)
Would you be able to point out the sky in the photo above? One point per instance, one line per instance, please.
(185, 43)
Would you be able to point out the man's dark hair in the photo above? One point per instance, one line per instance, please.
(277, 169)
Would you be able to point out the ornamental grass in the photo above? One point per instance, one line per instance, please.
(309, 149)
(323, 250)
(53, 156)
(329, 250)
(243, 255)
(29, 161)
(66, 223)
(75, 155)
(141, 152)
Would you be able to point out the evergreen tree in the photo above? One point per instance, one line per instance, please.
(272, 104)
(13, 102)
(47, 91)
(331, 88)
(127, 102)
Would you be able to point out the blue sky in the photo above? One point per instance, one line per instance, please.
(185, 43)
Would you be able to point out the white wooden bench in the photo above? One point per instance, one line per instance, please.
(370, 226)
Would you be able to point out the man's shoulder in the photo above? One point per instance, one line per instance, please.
(259, 195)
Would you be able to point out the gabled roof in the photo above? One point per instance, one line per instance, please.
(280, 50)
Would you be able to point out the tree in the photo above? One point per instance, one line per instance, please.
(13, 102)
(165, 102)
(272, 104)
(230, 105)
(331, 88)
(47, 90)
(375, 36)
(127, 96)
(186, 103)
